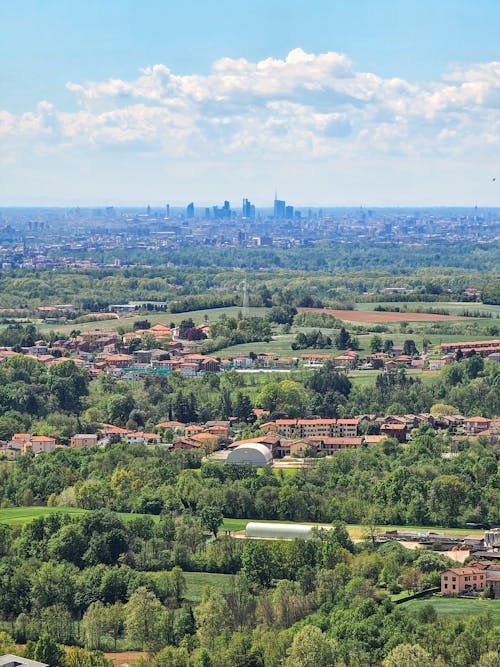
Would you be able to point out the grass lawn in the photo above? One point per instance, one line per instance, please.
(197, 581)
(456, 607)
(18, 516)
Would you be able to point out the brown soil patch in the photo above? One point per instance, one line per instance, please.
(125, 658)
(379, 316)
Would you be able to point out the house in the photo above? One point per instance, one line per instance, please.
(173, 425)
(117, 360)
(436, 364)
(305, 428)
(482, 347)
(192, 429)
(459, 580)
(40, 444)
(397, 431)
(476, 424)
(10, 660)
(346, 361)
(242, 362)
(83, 440)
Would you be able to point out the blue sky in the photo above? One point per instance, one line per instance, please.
(333, 102)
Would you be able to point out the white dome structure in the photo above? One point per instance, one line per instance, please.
(251, 453)
(281, 531)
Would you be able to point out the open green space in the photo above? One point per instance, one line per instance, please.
(18, 516)
(196, 582)
(456, 607)
(452, 307)
(127, 321)
(356, 531)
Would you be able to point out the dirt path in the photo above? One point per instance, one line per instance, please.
(126, 658)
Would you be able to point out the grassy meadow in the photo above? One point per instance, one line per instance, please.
(456, 607)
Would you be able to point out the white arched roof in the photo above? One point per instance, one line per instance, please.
(281, 531)
(253, 453)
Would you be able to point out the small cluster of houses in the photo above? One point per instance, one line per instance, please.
(103, 351)
(283, 437)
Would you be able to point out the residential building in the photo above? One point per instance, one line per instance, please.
(83, 440)
(40, 444)
(459, 580)
(473, 425)
(397, 431)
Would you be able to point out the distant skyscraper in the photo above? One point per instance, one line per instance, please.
(190, 210)
(222, 212)
(207, 213)
(289, 212)
(279, 208)
(167, 211)
(248, 210)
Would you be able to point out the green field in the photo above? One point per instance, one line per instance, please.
(356, 531)
(127, 321)
(456, 607)
(197, 581)
(18, 516)
(452, 307)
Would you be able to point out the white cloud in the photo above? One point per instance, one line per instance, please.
(303, 106)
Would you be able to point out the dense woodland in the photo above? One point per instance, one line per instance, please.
(93, 579)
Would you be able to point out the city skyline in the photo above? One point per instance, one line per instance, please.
(374, 105)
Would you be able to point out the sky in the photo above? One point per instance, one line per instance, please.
(329, 102)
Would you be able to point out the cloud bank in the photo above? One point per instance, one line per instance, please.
(306, 107)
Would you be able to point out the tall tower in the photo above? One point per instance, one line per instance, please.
(246, 301)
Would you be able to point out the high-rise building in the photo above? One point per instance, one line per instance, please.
(248, 210)
(190, 210)
(223, 211)
(289, 212)
(279, 208)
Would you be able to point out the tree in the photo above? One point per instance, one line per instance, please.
(142, 617)
(211, 616)
(177, 583)
(256, 563)
(46, 650)
(408, 655)
(7, 643)
(376, 344)
(184, 623)
(94, 625)
(409, 347)
(286, 397)
(343, 339)
(114, 620)
(310, 648)
(79, 657)
(447, 496)
(211, 518)
(243, 408)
